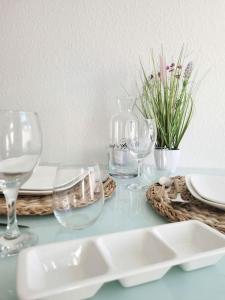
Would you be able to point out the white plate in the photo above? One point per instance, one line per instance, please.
(41, 181)
(211, 188)
(77, 269)
(197, 196)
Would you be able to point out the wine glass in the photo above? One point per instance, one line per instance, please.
(140, 139)
(78, 195)
(20, 150)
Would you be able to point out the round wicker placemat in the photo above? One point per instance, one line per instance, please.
(28, 205)
(159, 197)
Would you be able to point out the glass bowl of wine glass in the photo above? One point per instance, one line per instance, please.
(20, 150)
(140, 139)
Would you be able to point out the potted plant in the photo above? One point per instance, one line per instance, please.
(166, 96)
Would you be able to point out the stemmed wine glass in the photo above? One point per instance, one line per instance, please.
(140, 139)
(20, 150)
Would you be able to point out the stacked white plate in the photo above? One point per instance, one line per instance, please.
(42, 180)
(208, 189)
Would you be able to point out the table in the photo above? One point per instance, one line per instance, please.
(125, 211)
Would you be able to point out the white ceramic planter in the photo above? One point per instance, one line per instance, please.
(166, 159)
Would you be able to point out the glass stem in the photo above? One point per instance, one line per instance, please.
(12, 230)
(140, 168)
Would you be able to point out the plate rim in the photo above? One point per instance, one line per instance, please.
(195, 194)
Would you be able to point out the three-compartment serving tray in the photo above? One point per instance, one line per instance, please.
(77, 269)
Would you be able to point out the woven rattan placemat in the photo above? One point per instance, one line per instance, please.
(28, 205)
(159, 197)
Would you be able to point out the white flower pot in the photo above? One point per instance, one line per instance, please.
(166, 159)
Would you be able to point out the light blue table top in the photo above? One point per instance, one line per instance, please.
(126, 211)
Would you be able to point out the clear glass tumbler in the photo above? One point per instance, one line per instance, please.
(78, 196)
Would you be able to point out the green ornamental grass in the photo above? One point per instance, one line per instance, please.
(166, 97)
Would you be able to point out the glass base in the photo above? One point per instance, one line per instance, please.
(74, 221)
(123, 176)
(135, 187)
(14, 246)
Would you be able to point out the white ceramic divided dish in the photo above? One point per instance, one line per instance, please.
(197, 196)
(67, 270)
(196, 244)
(211, 188)
(137, 256)
(77, 269)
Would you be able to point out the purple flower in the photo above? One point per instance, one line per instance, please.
(188, 70)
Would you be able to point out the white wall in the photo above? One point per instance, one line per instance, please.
(70, 59)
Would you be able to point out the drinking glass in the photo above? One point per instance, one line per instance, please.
(20, 150)
(140, 138)
(78, 195)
